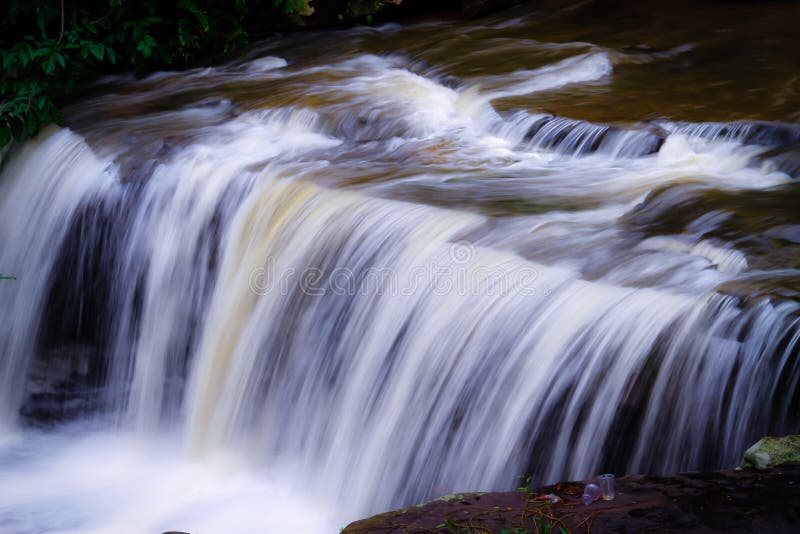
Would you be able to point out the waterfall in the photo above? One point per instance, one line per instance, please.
(247, 312)
(50, 179)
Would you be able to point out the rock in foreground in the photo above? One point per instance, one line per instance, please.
(773, 452)
(725, 501)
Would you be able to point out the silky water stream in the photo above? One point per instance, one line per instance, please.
(360, 269)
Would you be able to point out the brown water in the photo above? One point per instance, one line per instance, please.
(358, 269)
(679, 60)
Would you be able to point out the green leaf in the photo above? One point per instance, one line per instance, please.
(25, 55)
(41, 22)
(145, 45)
(50, 65)
(97, 50)
(90, 26)
(10, 60)
(144, 49)
(41, 52)
(55, 115)
(31, 124)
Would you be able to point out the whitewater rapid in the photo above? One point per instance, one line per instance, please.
(315, 291)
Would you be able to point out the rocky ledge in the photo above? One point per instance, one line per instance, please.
(726, 501)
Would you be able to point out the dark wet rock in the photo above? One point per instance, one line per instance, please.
(762, 133)
(60, 386)
(642, 143)
(451, 82)
(139, 163)
(780, 286)
(785, 159)
(536, 126)
(368, 129)
(477, 8)
(725, 501)
(70, 364)
(551, 132)
(578, 137)
(764, 225)
(786, 232)
(771, 133)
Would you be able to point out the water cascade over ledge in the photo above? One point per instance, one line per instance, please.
(287, 292)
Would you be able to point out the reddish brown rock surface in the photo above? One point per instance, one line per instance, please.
(726, 501)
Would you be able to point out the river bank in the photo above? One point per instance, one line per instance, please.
(722, 501)
(357, 269)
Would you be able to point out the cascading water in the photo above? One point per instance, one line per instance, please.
(278, 295)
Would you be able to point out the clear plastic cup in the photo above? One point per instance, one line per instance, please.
(591, 493)
(606, 483)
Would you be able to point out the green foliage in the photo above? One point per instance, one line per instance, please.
(35, 72)
(294, 8)
(49, 47)
(360, 8)
(7, 277)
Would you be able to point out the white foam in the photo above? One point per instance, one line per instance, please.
(583, 68)
(726, 260)
(83, 482)
(265, 64)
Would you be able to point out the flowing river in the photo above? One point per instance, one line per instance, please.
(359, 269)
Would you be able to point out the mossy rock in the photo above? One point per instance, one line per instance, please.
(773, 452)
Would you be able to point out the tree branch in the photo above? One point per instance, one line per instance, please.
(61, 35)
